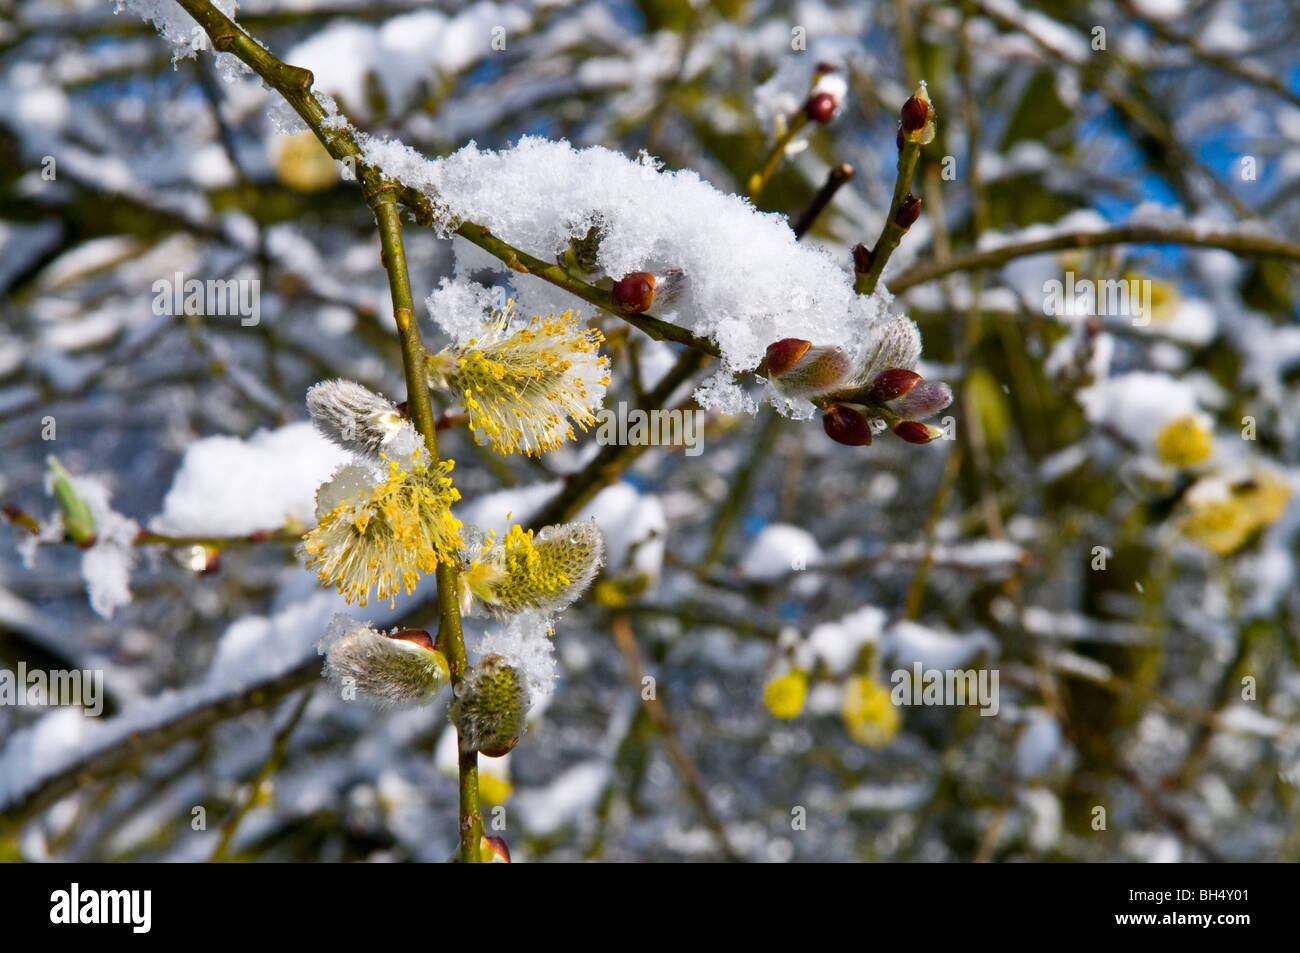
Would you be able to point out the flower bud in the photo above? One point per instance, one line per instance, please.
(800, 369)
(493, 850)
(357, 419)
(862, 258)
(415, 636)
(869, 712)
(908, 212)
(892, 383)
(925, 399)
(845, 425)
(389, 671)
(78, 522)
(913, 431)
(820, 108)
(634, 292)
(916, 118)
(914, 113)
(827, 93)
(784, 354)
(490, 708)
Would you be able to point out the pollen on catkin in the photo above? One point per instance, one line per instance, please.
(382, 531)
(525, 390)
(524, 572)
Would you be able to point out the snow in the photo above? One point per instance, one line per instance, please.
(571, 797)
(635, 527)
(839, 643)
(405, 53)
(1138, 405)
(231, 487)
(1039, 745)
(525, 642)
(540, 194)
(252, 651)
(777, 550)
(907, 642)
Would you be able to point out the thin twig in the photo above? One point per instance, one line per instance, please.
(1261, 246)
(279, 748)
(837, 176)
(892, 233)
(625, 636)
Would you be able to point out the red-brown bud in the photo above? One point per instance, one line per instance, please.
(892, 383)
(862, 258)
(908, 212)
(914, 113)
(845, 425)
(418, 636)
(784, 354)
(634, 292)
(820, 108)
(913, 431)
(493, 850)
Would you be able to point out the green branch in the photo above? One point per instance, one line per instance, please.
(1242, 243)
(294, 84)
(893, 232)
(528, 264)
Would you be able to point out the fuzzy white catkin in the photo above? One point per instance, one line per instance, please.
(389, 673)
(357, 419)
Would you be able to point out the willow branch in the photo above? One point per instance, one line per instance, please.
(555, 274)
(294, 84)
(279, 748)
(893, 232)
(834, 179)
(1260, 246)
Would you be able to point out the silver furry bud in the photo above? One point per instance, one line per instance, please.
(355, 418)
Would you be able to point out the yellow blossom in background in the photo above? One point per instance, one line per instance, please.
(302, 163)
(785, 696)
(493, 787)
(383, 532)
(1184, 442)
(869, 714)
(1222, 517)
(1164, 296)
(526, 390)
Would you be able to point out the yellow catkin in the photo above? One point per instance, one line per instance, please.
(525, 391)
(785, 695)
(387, 536)
(869, 714)
(1184, 442)
(544, 572)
